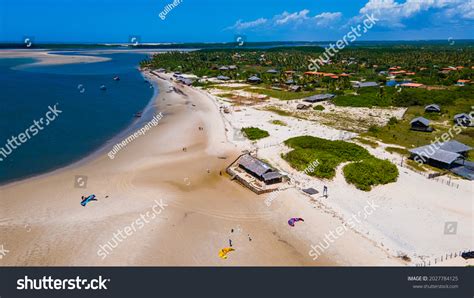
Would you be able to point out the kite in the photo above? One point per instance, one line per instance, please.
(86, 200)
(223, 252)
(293, 220)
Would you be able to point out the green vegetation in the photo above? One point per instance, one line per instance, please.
(388, 96)
(365, 172)
(279, 111)
(328, 153)
(278, 122)
(281, 94)
(400, 133)
(368, 142)
(414, 165)
(398, 150)
(254, 133)
(370, 172)
(318, 108)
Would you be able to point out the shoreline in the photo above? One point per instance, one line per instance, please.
(135, 124)
(203, 206)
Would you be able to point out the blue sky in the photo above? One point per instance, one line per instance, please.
(222, 21)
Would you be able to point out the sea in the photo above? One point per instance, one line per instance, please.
(89, 117)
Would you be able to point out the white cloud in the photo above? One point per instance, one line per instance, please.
(302, 17)
(296, 17)
(239, 25)
(326, 18)
(393, 12)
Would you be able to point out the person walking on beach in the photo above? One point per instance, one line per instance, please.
(230, 242)
(325, 191)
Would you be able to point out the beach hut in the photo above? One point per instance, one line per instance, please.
(232, 67)
(254, 79)
(272, 71)
(223, 78)
(319, 97)
(259, 169)
(421, 124)
(295, 88)
(447, 155)
(223, 68)
(463, 119)
(289, 82)
(432, 108)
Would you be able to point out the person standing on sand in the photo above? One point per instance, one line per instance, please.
(325, 191)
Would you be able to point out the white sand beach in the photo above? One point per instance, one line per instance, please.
(45, 57)
(42, 222)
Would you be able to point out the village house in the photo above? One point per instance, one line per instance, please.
(421, 124)
(450, 155)
(463, 119)
(432, 108)
(256, 174)
(319, 97)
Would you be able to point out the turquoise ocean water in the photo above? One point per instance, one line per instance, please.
(89, 116)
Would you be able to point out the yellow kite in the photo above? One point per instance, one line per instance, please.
(223, 252)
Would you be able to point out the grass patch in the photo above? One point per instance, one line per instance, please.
(254, 133)
(400, 134)
(398, 150)
(281, 94)
(370, 172)
(414, 165)
(318, 108)
(368, 142)
(279, 111)
(278, 122)
(330, 154)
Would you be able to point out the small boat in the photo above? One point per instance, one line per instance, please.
(116, 78)
(138, 114)
(102, 87)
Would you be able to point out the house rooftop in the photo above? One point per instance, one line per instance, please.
(438, 155)
(424, 121)
(433, 106)
(446, 152)
(366, 84)
(319, 97)
(455, 146)
(254, 165)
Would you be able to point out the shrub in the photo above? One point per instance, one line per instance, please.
(392, 121)
(374, 129)
(370, 172)
(318, 108)
(254, 133)
(401, 151)
(278, 122)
